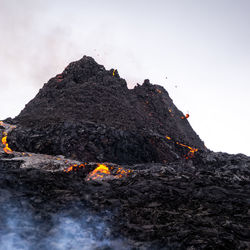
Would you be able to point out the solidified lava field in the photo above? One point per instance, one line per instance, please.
(91, 164)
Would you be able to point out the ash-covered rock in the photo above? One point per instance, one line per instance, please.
(89, 113)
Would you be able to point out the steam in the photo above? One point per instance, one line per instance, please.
(20, 228)
(34, 51)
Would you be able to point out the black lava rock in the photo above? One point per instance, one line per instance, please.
(89, 113)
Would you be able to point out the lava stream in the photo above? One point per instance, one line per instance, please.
(6, 149)
(190, 153)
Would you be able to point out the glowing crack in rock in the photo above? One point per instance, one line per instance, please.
(73, 167)
(191, 150)
(114, 72)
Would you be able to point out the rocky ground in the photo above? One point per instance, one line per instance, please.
(201, 203)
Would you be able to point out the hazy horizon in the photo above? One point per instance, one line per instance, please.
(201, 47)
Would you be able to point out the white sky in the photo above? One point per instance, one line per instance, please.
(201, 46)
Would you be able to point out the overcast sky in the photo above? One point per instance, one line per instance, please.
(201, 46)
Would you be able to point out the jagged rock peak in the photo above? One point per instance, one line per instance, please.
(136, 120)
(88, 70)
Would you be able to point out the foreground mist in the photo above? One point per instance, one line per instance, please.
(20, 228)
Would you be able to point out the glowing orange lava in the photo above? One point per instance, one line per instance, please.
(122, 172)
(6, 149)
(99, 172)
(191, 150)
(73, 167)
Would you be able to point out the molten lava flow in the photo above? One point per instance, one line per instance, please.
(74, 168)
(191, 152)
(99, 172)
(6, 149)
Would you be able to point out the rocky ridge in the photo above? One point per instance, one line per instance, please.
(88, 113)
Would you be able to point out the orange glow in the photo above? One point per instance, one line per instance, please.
(159, 91)
(1, 123)
(99, 172)
(6, 149)
(185, 117)
(122, 172)
(191, 152)
(170, 111)
(73, 167)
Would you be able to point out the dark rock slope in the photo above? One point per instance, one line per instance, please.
(88, 113)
